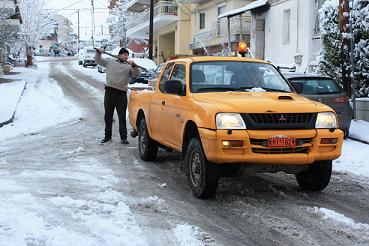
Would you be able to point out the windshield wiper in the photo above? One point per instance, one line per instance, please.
(264, 88)
(217, 89)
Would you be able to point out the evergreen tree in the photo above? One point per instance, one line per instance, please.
(360, 15)
(330, 62)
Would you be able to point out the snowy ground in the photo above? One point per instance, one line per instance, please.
(103, 211)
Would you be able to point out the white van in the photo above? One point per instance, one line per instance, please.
(88, 57)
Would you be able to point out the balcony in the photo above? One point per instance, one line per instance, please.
(317, 47)
(218, 33)
(7, 4)
(164, 13)
(138, 6)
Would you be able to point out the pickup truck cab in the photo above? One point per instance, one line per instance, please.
(222, 112)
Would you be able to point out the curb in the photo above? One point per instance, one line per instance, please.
(359, 140)
(15, 109)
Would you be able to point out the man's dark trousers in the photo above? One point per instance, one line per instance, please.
(115, 98)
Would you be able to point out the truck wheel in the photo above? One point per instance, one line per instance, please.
(147, 147)
(202, 175)
(316, 177)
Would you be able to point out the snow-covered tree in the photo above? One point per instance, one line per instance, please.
(330, 63)
(360, 15)
(37, 22)
(7, 33)
(117, 22)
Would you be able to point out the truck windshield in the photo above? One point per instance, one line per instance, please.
(215, 76)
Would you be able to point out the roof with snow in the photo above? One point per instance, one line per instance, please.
(250, 6)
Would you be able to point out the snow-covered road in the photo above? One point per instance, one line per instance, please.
(59, 186)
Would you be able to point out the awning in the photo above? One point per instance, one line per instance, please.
(250, 6)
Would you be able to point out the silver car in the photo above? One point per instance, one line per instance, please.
(325, 90)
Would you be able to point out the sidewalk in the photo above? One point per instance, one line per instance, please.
(11, 91)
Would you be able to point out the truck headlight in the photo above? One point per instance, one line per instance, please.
(326, 120)
(229, 121)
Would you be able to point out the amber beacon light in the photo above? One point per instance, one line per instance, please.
(242, 48)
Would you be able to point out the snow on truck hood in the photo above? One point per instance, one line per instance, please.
(260, 102)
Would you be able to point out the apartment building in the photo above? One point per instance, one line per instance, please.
(288, 33)
(172, 30)
(212, 34)
(12, 24)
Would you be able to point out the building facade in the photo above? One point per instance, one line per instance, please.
(11, 21)
(287, 33)
(172, 30)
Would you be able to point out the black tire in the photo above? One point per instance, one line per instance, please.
(202, 175)
(316, 177)
(84, 64)
(147, 147)
(346, 133)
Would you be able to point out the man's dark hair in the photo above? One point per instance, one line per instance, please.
(123, 51)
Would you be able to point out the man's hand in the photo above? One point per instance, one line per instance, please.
(132, 63)
(100, 50)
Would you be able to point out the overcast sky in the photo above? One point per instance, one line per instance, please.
(68, 8)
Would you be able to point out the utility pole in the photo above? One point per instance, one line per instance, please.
(78, 25)
(343, 15)
(78, 39)
(151, 28)
(352, 47)
(93, 23)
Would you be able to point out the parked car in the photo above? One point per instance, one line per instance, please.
(157, 71)
(88, 57)
(325, 90)
(80, 57)
(150, 67)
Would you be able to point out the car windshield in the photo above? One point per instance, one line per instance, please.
(215, 76)
(90, 51)
(317, 85)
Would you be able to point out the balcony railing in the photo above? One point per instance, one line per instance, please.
(219, 29)
(161, 8)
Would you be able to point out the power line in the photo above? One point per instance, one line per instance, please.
(69, 5)
(85, 9)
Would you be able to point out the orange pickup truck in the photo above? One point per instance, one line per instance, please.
(222, 112)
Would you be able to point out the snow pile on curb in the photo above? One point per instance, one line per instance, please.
(42, 105)
(10, 94)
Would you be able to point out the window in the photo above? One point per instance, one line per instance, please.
(317, 85)
(202, 21)
(179, 73)
(235, 76)
(166, 73)
(221, 10)
(286, 26)
(318, 5)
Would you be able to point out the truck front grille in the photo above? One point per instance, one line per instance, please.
(259, 146)
(280, 121)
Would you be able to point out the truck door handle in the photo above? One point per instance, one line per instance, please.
(162, 102)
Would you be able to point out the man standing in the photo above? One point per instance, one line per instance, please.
(118, 73)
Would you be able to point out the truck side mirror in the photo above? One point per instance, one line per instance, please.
(298, 87)
(173, 87)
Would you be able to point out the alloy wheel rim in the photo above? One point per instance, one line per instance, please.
(195, 168)
(143, 141)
